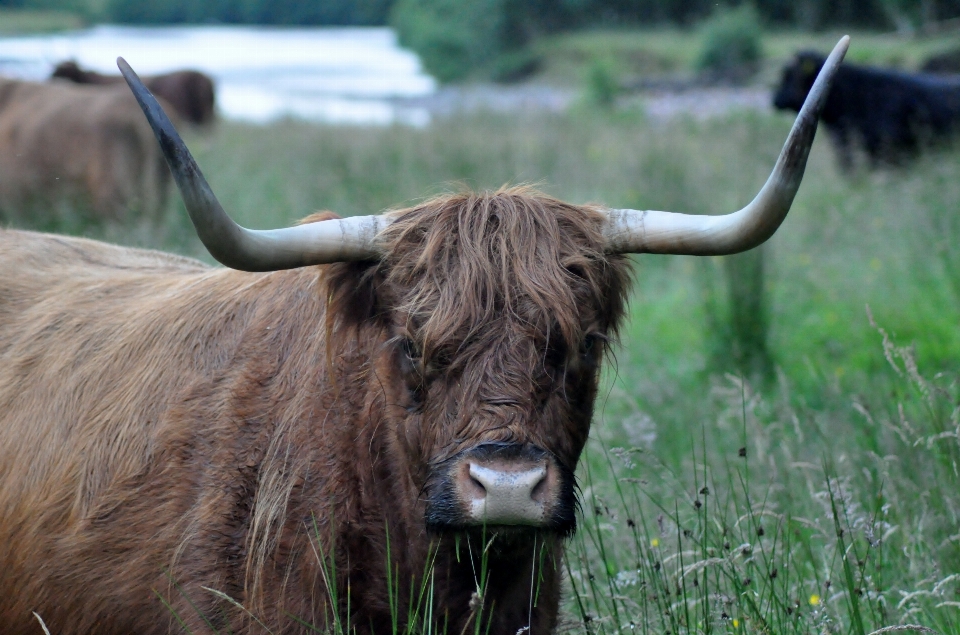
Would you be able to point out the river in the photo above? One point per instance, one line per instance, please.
(357, 75)
(335, 75)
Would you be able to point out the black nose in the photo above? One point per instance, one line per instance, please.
(501, 485)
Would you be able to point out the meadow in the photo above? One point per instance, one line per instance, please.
(644, 53)
(818, 495)
(21, 22)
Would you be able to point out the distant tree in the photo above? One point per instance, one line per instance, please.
(736, 308)
(731, 48)
(452, 37)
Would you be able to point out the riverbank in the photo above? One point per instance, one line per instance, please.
(360, 76)
(28, 21)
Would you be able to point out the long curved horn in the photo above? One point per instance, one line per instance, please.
(633, 231)
(246, 249)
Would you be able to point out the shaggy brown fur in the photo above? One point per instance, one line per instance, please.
(85, 147)
(191, 93)
(166, 427)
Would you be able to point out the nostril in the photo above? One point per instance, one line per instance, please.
(479, 476)
(478, 485)
(540, 487)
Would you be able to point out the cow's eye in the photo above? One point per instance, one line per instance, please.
(409, 349)
(592, 346)
(411, 364)
(417, 393)
(556, 353)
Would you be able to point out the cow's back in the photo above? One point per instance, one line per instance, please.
(191, 93)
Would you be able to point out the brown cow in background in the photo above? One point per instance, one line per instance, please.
(342, 433)
(191, 93)
(76, 147)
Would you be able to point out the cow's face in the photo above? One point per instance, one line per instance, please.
(497, 310)
(798, 78)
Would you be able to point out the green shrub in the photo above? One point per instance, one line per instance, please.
(452, 37)
(516, 66)
(600, 82)
(731, 49)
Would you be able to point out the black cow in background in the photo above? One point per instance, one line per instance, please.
(891, 115)
(946, 63)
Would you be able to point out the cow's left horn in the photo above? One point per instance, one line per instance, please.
(633, 231)
(246, 249)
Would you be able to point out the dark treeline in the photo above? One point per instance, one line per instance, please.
(280, 12)
(807, 14)
(551, 15)
(518, 18)
(457, 38)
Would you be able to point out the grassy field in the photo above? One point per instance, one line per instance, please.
(638, 53)
(825, 499)
(25, 22)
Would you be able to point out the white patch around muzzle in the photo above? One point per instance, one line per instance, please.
(506, 497)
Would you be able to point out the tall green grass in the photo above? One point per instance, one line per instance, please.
(825, 500)
(782, 518)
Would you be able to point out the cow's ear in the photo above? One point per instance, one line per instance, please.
(352, 292)
(350, 287)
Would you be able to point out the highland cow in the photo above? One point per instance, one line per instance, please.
(891, 115)
(191, 93)
(65, 147)
(345, 439)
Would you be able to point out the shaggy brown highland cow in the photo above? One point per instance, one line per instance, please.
(375, 433)
(191, 93)
(77, 147)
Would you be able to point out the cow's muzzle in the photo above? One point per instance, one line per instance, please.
(500, 485)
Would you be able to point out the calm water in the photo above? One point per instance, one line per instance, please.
(339, 75)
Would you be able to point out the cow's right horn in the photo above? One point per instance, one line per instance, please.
(633, 231)
(246, 249)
